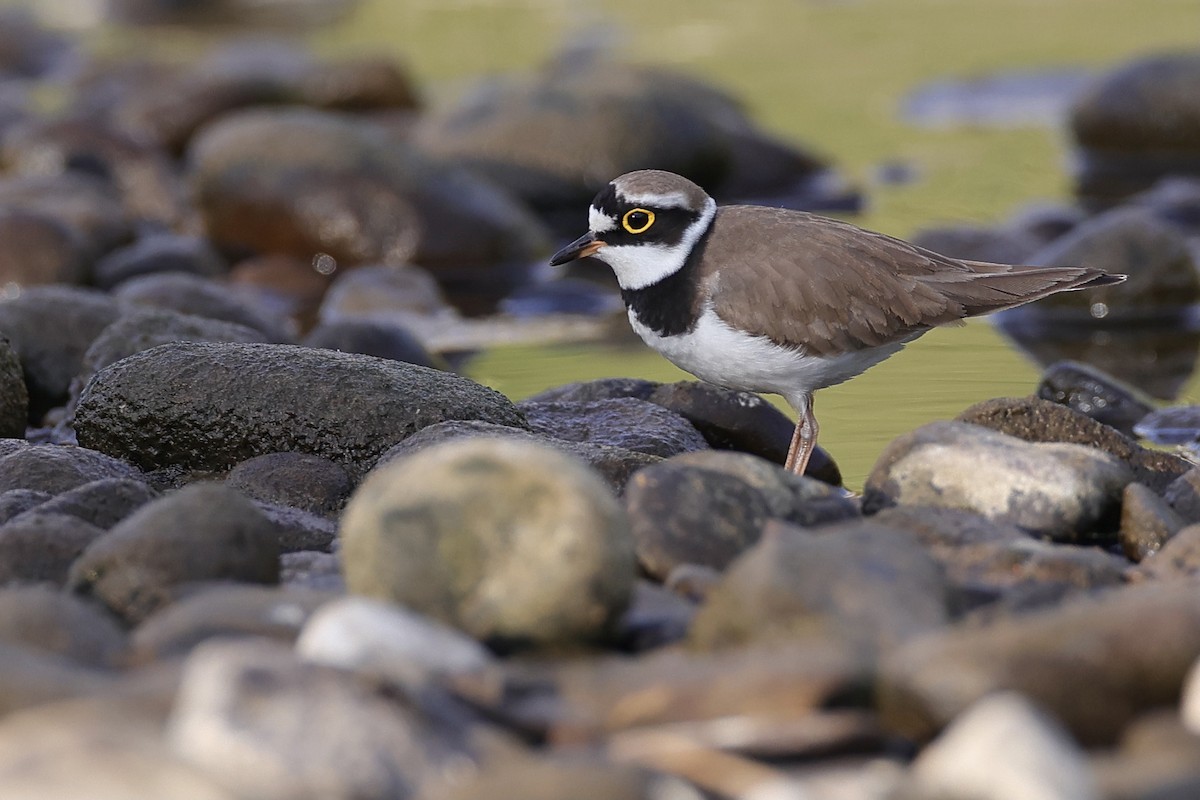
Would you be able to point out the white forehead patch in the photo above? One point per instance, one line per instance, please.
(655, 200)
(599, 222)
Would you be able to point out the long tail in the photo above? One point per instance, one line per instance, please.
(995, 287)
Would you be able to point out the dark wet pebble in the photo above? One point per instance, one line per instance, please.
(1036, 420)
(59, 468)
(614, 464)
(301, 480)
(1147, 522)
(224, 611)
(199, 533)
(372, 338)
(256, 175)
(211, 406)
(707, 508)
(1135, 125)
(299, 530)
(141, 177)
(155, 253)
(17, 501)
(199, 296)
(38, 249)
(103, 502)
(1095, 393)
(50, 328)
(14, 397)
(873, 585)
(620, 422)
(600, 389)
(1131, 646)
(1063, 492)
(52, 621)
(37, 546)
(467, 532)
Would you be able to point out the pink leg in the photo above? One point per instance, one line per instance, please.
(804, 438)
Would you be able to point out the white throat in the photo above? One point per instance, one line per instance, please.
(640, 265)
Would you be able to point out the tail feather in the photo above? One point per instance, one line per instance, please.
(996, 287)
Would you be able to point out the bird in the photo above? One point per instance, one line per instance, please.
(775, 300)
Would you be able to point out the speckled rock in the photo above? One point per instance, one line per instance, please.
(198, 533)
(1131, 646)
(210, 406)
(158, 252)
(302, 480)
(1147, 522)
(373, 338)
(266, 725)
(224, 611)
(55, 622)
(50, 328)
(1095, 393)
(103, 502)
(202, 297)
(615, 464)
(14, 397)
(620, 422)
(59, 468)
(872, 585)
(1059, 491)
(1036, 420)
(708, 507)
(510, 541)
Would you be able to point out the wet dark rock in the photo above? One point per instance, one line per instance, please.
(103, 502)
(600, 389)
(199, 533)
(510, 541)
(224, 611)
(1036, 420)
(87, 205)
(139, 174)
(14, 397)
(1163, 276)
(264, 724)
(707, 508)
(372, 338)
(50, 328)
(195, 295)
(30, 677)
(210, 406)
(1183, 495)
(310, 569)
(614, 464)
(302, 480)
(1147, 522)
(1093, 392)
(995, 245)
(1131, 646)
(872, 585)
(1137, 124)
(38, 249)
(557, 137)
(1064, 492)
(299, 530)
(620, 422)
(36, 546)
(155, 253)
(1178, 558)
(59, 468)
(180, 102)
(1040, 758)
(268, 181)
(385, 640)
(17, 501)
(51, 621)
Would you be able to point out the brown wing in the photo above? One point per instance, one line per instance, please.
(829, 287)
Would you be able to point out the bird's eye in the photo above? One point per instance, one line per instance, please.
(637, 220)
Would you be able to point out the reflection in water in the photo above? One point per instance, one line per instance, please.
(1158, 357)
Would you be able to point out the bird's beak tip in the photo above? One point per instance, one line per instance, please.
(582, 247)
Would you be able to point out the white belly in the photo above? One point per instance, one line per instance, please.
(719, 354)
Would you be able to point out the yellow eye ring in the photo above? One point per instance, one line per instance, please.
(633, 220)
